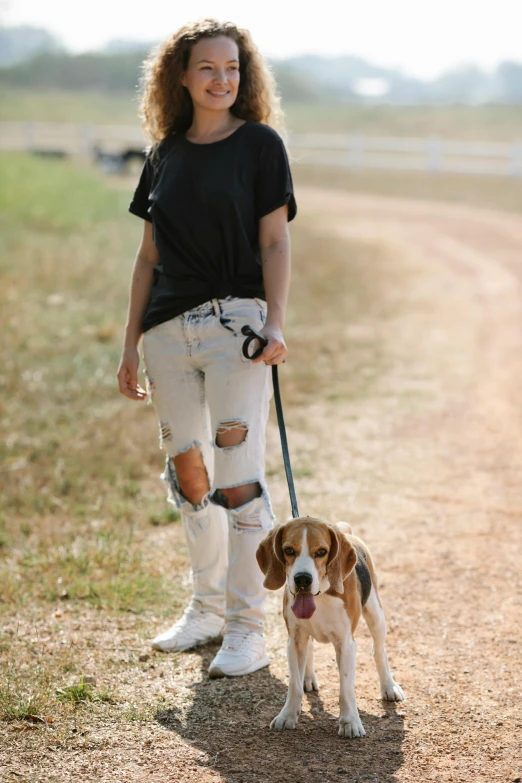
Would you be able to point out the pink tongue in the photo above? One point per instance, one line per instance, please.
(303, 606)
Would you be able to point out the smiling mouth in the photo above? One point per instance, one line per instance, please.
(218, 94)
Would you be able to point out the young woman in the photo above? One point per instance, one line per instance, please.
(216, 196)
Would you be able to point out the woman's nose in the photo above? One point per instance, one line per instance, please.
(220, 76)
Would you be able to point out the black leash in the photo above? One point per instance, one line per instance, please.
(253, 335)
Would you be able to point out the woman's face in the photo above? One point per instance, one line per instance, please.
(212, 75)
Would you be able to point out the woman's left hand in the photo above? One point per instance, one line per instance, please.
(275, 352)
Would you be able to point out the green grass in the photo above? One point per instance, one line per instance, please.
(80, 692)
(23, 695)
(166, 517)
(64, 345)
(74, 501)
(63, 106)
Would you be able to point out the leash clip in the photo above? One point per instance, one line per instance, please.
(251, 335)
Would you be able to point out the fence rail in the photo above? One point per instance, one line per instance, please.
(408, 154)
(355, 152)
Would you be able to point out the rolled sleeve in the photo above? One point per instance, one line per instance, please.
(274, 187)
(141, 202)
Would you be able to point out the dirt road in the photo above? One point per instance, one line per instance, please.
(429, 471)
(444, 518)
(426, 464)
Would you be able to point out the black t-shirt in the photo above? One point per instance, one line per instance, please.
(205, 202)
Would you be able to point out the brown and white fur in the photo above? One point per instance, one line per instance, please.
(334, 572)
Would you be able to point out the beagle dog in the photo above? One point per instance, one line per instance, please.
(329, 582)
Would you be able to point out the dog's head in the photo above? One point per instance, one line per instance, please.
(310, 556)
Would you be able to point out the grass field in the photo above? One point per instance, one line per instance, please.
(93, 562)
(79, 464)
(471, 123)
(491, 192)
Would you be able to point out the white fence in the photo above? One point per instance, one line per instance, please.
(68, 138)
(323, 149)
(408, 154)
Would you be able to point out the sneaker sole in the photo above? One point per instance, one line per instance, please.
(165, 647)
(216, 671)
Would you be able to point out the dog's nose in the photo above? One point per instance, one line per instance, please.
(303, 580)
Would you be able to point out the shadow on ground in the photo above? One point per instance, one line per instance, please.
(228, 721)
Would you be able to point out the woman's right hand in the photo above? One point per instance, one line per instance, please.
(128, 375)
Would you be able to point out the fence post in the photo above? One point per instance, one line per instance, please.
(435, 151)
(86, 140)
(28, 136)
(355, 152)
(516, 160)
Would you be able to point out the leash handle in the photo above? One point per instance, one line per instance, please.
(251, 334)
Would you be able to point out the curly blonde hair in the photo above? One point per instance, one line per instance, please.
(166, 106)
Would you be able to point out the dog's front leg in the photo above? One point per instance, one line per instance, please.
(349, 722)
(310, 679)
(296, 649)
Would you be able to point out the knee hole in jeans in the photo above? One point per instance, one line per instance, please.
(192, 475)
(230, 433)
(244, 493)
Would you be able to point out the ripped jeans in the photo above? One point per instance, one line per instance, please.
(201, 384)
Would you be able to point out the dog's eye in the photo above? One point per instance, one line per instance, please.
(321, 553)
(289, 551)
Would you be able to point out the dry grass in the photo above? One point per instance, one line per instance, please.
(471, 123)
(82, 511)
(387, 403)
(83, 515)
(503, 193)
(77, 467)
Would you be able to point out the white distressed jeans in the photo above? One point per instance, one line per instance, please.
(200, 382)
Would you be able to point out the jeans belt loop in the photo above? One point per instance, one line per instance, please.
(217, 309)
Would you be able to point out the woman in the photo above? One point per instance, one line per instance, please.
(216, 196)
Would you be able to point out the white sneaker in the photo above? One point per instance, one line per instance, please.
(240, 653)
(192, 629)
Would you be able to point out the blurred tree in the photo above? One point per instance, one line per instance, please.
(23, 42)
(91, 71)
(465, 84)
(509, 80)
(307, 79)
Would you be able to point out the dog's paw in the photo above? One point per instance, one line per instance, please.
(310, 683)
(285, 720)
(351, 727)
(392, 691)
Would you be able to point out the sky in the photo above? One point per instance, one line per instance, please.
(421, 38)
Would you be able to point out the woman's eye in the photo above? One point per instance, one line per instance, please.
(320, 553)
(289, 551)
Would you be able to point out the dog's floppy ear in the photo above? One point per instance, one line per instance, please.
(341, 559)
(270, 559)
